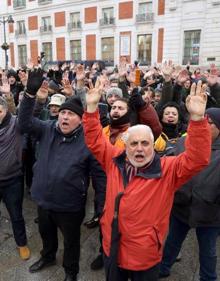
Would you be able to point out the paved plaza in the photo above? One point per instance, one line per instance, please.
(14, 269)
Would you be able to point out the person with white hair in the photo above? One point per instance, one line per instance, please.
(141, 187)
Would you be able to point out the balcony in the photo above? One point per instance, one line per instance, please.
(74, 25)
(44, 2)
(148, 17)
(20, 32)
(106, 22)
(19, 4)
(46, 29)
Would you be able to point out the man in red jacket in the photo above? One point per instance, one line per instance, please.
(141, 187)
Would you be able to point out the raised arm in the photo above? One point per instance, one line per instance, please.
(26, 121)
(198, 141)
(94, 137)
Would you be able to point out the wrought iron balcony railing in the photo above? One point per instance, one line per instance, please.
(107, 21)
(46, 28)
(74, 25)
(148, 17)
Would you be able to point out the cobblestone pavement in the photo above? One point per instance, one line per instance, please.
(13, 269)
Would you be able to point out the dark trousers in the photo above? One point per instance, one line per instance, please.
(206, 236)
(69, 225)
(12, 195)
(150, 274)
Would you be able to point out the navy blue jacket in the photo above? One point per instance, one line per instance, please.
(63, 167)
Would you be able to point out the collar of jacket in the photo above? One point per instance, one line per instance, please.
(69, 137)
(152, 172)
(216, 144)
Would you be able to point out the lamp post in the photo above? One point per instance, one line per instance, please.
(5, 45)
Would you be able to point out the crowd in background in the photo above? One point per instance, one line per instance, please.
(155, 96)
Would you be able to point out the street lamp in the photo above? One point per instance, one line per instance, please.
(5, 45)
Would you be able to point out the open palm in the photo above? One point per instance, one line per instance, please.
(196, 101)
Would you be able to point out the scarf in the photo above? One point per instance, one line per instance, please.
(171, 130)
(132, 171)
(118, 126)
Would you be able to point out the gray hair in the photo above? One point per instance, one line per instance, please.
(137, 128)
(3, 102)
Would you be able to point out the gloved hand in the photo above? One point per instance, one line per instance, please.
(34, 82)
(136, 101)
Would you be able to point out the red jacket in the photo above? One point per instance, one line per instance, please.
(145, 206)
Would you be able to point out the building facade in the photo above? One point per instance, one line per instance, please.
(145, 30)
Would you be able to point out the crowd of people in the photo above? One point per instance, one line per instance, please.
(147, 141)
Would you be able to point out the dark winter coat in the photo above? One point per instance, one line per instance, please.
(197, 203)
(63, 167)
(10, 151)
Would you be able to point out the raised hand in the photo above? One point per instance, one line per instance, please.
(122, 68)
(149, 74)
(80, 72)
(93, 97)
(42, 93)
(196, 101)
(213, 76)
(182, 77)
(131, 76)
(35, 80)
(23, 77)
(136, 101)
(167, 70)
(5, 88)
(30, 64)
(67, 88)
(176, 72)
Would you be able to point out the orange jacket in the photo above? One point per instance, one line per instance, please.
(119, 142)
(145, 206)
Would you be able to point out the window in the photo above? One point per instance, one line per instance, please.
(21, 27)
(75, 20)
(108, 50)
(107, 16)
(47, 49)
(46, 24)
(22, 55)
(144, 43)
(191, 47)
(145, 8)
(19, 3)
(145, 12)
(75, 49)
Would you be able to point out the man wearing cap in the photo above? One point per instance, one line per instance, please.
(54, 105)
(197, 205)
(61, 177)
(52, 112)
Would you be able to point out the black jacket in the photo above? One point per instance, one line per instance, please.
(63, 167)
(11, 142)
(197, 203)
